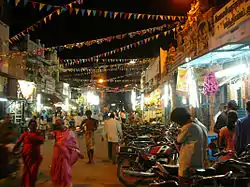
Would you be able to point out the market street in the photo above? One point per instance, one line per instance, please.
(100, 174)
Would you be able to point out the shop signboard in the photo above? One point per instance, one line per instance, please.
(230, 16)
(182, 84)
(237, 35)
(27, 89)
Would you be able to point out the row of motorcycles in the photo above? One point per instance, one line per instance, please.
(150, 158)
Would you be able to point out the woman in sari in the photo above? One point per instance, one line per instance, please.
(31, 155)
(66, 153)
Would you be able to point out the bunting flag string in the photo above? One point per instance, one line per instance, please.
(106, 13)
(72, 62)
(44, 20)
(109, 38)
(120, 65)
(130, 46)
(99, 70)
(111, 81)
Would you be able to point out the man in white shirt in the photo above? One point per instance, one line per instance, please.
(78, 120)
(113, 131)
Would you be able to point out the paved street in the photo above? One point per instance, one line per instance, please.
(101, 174)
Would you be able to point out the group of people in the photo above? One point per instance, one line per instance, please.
(233, 135)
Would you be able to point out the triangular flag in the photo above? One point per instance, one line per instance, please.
(135, 16)
(77, 10)
(41, 6)
(149, 16)
(139, 15)
(111, 14)
(58, 12)
(115, 14)
(83, 12)
(44, 19)
(129, 15)
(161, 17)
(70, 10)
(50, 16)
(94, 12)
(157, 17)
(17, 2)
(34, 4)
(25, 2)
(143, 15)
(89, 12)
(121, 14)
(157, 36)
(49, 7)
(165, 33)
(70, 5)
(105, 13)
(169, 17)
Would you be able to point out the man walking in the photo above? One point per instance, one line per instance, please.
(113, 130)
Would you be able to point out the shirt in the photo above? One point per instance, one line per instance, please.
(113, 129)
(78, 121)
(90, 124)
(242, 138)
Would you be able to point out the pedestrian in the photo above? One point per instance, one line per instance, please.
(243, 131)
(192, 138)
(31, 154)
(78, 120)
(123, 116)
(43, 125)
(90, 126)
(66, 153)
(113, 131)
(222, 118)
(227, 135)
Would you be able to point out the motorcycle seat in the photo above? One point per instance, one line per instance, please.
(205, 172)
(172, 169)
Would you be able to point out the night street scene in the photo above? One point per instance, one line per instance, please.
(125, 93)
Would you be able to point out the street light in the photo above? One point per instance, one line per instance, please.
(100, 81)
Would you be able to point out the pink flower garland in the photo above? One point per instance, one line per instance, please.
(211, 85)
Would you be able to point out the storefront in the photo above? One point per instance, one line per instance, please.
(153, 106)
(216, 77)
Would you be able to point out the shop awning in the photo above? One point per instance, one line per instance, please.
(221, 54)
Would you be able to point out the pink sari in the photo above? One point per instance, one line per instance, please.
(66, 153)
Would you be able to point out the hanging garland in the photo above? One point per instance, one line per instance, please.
(211, 85)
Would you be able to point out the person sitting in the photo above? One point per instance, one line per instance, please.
(227, 135)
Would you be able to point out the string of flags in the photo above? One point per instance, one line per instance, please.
(111, 81)
(44, 20)
(109, 38)
(72, 62)
(120, 65)
(99, 70)
(129, 46)
(105, 13)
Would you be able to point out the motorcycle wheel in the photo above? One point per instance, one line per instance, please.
(126, 180)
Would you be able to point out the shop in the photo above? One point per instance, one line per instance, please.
(153, 106)
(215, 78)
